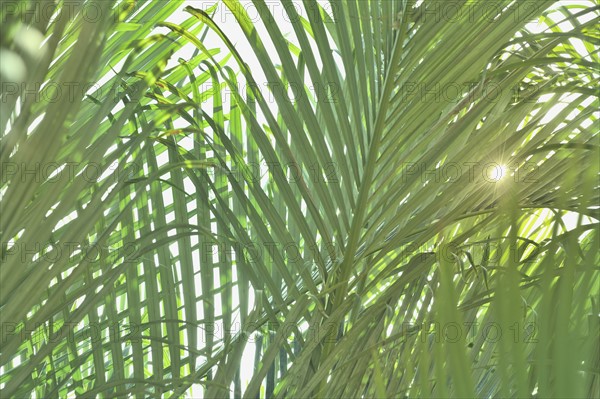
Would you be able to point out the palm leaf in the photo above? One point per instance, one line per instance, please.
(407, 207)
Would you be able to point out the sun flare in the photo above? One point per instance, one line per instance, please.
(497, 173)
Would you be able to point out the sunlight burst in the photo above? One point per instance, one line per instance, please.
(497, 173)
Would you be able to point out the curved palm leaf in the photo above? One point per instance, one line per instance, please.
(348, 218)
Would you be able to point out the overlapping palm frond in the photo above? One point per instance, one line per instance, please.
(374, 198)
